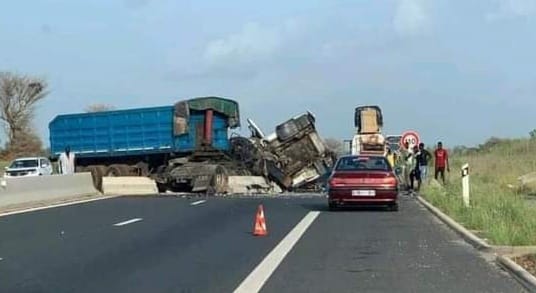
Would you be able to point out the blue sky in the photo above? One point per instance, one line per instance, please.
(459, 71)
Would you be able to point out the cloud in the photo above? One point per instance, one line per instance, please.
(513, 8)
(253, 43)
(253, 49)
(411, 17)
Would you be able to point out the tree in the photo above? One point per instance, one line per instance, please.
(18, 96)
(99, 108)
(532, 134)
(335, 145)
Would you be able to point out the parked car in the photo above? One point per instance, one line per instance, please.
(366, 180)
(32, 166)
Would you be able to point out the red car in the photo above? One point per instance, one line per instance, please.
(366, 180)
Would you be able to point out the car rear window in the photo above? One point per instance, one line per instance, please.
(24, 164)
(363, 163)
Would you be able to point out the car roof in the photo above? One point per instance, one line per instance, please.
(357, 156)
(29, 158)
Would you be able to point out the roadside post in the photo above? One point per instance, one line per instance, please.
(465, 184)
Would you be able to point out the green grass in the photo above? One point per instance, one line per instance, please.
(500, 214)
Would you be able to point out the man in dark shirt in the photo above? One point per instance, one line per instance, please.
(423, 157)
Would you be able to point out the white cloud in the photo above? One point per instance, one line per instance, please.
(513, 8)
(253, 41)
(411, 17)
(252, 44)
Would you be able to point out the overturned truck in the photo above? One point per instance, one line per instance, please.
(187, 147)
(294, 156)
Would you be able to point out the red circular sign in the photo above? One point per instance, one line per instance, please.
(411, 137)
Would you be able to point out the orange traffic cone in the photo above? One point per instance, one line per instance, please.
(260, 223)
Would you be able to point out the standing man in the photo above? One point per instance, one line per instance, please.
(390, 156)
(423, 157)
(413, 168)
(66, 162)
(441, 161)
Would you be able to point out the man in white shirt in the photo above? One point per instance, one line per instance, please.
(66, 162)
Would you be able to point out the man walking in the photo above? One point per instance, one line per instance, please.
(441, 161)
(66, 162)
(423, 157)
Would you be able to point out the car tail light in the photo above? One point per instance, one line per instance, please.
(390, 180)
(336, 182)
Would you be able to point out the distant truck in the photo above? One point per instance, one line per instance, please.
(183, 146)
(368, 139)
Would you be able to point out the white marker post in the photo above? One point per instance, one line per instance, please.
(465, 184)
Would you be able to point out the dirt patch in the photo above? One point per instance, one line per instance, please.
(528, 262)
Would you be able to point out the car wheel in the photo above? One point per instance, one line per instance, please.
(332, 206)
(393, 207)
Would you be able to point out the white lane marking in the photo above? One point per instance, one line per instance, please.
(128, 222)
(1, 259)
(263, 271)
(56, 205)
(198, 202)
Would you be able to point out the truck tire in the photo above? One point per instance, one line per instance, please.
(162, 188)
(80, 169)
(117, 171)
(286, 130)
(218, 182)
(96, 175)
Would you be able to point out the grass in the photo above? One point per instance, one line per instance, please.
(499, 212)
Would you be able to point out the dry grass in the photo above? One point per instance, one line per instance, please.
(499, 212)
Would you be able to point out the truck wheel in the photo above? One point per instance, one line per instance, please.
(117, 171)
(219, 181)
(162, 188)
(81, 169)
(96, 175)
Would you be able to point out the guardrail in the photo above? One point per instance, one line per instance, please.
(29, 190)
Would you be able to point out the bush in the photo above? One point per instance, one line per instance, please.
(497, 211)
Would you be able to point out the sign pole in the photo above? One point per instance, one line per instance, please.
(465, 185)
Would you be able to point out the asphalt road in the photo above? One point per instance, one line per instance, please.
(183, 245)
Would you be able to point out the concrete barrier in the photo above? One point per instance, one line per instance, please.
(26, 191)
(128, 186)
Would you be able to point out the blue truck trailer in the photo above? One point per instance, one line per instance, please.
(183, 146)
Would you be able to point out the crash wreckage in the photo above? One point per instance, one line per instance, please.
(187, 147)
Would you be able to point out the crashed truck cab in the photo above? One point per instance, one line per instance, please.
(293, 156)
(368, 139)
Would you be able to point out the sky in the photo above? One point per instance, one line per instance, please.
(456, 71)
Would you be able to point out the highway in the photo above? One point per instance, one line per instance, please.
(172, 244)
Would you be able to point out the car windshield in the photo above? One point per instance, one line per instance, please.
(24, 164)
(363, 163)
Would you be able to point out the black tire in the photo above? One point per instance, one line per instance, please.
(333, 206)
(96, 175)
(116, 171)
(286, 130)
(218, 182)
(81, 169)
(162, 188)
(393, 207)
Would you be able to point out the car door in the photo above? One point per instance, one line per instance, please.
(45, 167)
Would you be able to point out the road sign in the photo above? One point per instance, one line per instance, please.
(411, 138)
